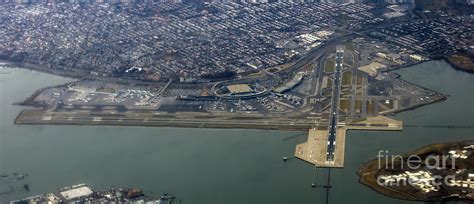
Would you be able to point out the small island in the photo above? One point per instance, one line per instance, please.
(434, 173)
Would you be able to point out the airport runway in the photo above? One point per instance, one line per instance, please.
(146, 119)
(335, 104)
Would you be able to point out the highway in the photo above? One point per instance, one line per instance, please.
(331, 147)
(316, 53)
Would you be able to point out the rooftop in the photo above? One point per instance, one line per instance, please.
(371, 68)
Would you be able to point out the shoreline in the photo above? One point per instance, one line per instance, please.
(74, 75)
(368, 171)
(263, 123)
(443, 98)
(457, 66)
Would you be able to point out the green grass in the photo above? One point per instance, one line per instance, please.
(329, 83)
(344, 104)
(359, 80)
(347, 78)
(349, 45)
(370, 107)
(329, 65)
(358, 106)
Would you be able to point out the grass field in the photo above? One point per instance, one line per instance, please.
(347, 78)
(349, 46)
(370, 107)
(329, 83)
(329, 65)
(358, 105)
(105, 90)
(359, 80)
(344, 104)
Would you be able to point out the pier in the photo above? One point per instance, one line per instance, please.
(315, 150)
